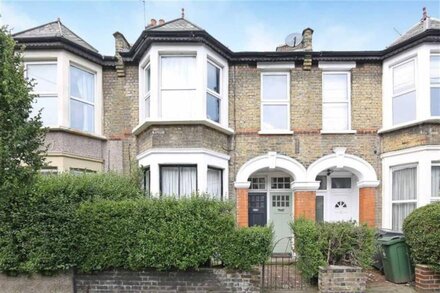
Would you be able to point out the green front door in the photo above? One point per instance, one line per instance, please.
(281, 216)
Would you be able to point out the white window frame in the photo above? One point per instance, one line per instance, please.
(348, 74)
(431, 85)
(95, 96)
(214, 93)
(275, 102)
(414, 89)
(434, 198)
(147, 95)
(47, 94)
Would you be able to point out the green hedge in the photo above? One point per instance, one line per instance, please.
(44, 231)
(422, 233)
(340, 243)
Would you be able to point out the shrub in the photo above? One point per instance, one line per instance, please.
(422, 233)
(47, 224)
(341, 243)
(308, 248)
(247, 247)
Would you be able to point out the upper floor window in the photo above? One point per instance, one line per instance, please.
(213, 96)
(45, 78)
(82, 99)
(275, 98)
(404, 92)
(178, 86)
(435, 84)
(336, 101)
(147, 90)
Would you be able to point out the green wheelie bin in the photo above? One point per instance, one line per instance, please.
(396, 261)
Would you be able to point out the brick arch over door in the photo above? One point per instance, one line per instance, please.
(270, 160)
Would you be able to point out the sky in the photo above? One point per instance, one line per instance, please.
(239, 25)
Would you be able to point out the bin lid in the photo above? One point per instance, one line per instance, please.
(389, 240)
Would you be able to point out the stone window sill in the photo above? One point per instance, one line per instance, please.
(338, 131)
(149, 122)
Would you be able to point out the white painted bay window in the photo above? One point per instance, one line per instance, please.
(178, 87)
(435, 84)
(82, 99)
(44, 76)
(404, 194)
(179, 180)
(214, 182)
(336, 101)
(404, 92)
(213, 94)
(147, 90)
(275, 102)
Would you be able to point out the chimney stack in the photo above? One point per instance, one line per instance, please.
(307, 39)
(161, 21)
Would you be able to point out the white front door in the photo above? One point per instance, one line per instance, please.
(342, 200)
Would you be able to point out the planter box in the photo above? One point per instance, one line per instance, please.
(427, 279)
(342, 279)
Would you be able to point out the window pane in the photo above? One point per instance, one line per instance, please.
(435, 69)
(274, 87)
(178, 72)
(341, 182)
(82, 116)
(213, 78)
(275, 117)
(214, 183)
(188, 179)
(147, 107)
(178, 104)
(49, 113)
(147, 80)
(335, 116)
(147, 181)
(82, 84)
(435, 101)
(322, 182)
(404, 184)
(335, 87)
(319, 209)
(404, 108)
(213, 108)
(435, 181)
(169, 180)
(403, 77)
(45, 76)
(400, 212)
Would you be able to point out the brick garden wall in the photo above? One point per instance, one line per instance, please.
(341, 279)
(427, 279)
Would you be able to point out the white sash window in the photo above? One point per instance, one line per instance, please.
(213, 94)
(82, 99)
(147, 90)
(404, 92)
(336, 101)
(214, 183)
(435, 183)
(404, 194)
(275, 115)
(179, 181)
(435, 84)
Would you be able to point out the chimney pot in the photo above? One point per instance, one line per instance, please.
(161, 21)
(153, 22)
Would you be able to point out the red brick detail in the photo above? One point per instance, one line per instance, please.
(367, 206)
(427, 279)
(242, 207)
(305, 205)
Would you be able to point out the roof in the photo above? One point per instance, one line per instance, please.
(418, 28)
(54, 29)
(178, 24)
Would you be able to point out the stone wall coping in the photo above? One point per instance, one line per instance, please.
(147, 123)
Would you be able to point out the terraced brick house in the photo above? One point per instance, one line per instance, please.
(330, 136)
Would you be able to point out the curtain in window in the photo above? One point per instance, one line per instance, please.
(435, 181)
(82, 84)
(404, 188)
(214, 187)
(170, 180)
(178, 72)
(188, 179)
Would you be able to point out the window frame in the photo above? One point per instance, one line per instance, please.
(258, 177)
(431, 85)
(71, 97)
(49, 95)
(147, 94)
(348, 102)
(264, 102)
(144, 183)
(221, 178)
(434, 198)
(413, 89)
(218, 95)
(177, 166)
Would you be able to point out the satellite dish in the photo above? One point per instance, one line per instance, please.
(293, 40)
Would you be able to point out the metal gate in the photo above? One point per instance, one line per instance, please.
(280, 271)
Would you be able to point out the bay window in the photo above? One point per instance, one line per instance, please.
(336, 101)
(435, 182)
(179, 180)
(147, 90)
(178, 86)
(435, 84)
(82, 99)
(45, 87)
(404, 194)
(214, 182)
(275, 112)
(404, 92)
(213, 95)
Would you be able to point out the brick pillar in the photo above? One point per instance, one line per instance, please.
(367, 206)
(242, 207)
(305, 205)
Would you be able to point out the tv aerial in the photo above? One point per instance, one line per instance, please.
(294, 39)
